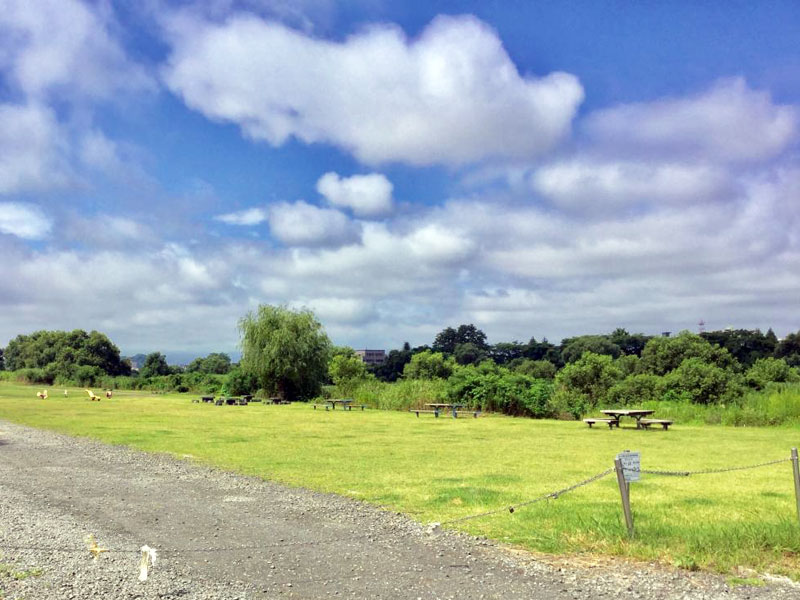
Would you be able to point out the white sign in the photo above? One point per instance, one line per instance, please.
(631, 465)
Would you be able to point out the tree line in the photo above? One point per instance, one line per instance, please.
(288, 353)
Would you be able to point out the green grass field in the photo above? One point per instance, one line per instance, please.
(441, 469)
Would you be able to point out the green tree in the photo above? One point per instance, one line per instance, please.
(2, 360)
(629, 364)
(217, 363)
(287, 351)
(664, 354)
(538, 369)
(346, 371)
(573, 348)
(631, 344)
(468, 354)
(703, 382)
(154, 365)
(447, 339)
(543, 350)
(429, 365)
(769, 370)
(583, 384)
(62, 352)
(788, 349)
(635, 389)
(503, 353)
(745, 345)
(391, 369)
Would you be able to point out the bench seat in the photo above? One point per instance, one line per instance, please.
(609, 422)
(361, 406)
(417, 411)
(325, 406)
(647, 423)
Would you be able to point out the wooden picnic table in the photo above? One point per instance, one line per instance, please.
(635, 413)
(345, 402)
(437, 406)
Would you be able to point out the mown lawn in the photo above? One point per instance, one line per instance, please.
(442, 469)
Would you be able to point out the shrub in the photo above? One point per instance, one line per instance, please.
(429, 365)
(538, 369)
(583, 384)
(500, 390)
(704, 383)
(770, 370)
(636, 389)
(238, 383)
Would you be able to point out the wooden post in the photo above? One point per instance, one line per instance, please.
(624, 492)
(796, 469)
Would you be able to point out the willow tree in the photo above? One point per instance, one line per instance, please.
(287, 351)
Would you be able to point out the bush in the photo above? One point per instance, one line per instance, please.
(704, 383)
(770, 370)
(636, 389)
(33, 376)
(429, 365)
(583, 384)
(538, 369)
(500, 390)
(238, 383)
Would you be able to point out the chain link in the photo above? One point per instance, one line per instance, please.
(548, 496)
(710, 471)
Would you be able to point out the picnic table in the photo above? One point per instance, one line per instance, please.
(635, 413)
(437, 406)
(344, 402)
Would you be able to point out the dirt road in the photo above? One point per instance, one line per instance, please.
(225, 536)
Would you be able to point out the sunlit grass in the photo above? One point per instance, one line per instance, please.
(441, 469)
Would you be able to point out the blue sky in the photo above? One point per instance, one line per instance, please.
(536, 168)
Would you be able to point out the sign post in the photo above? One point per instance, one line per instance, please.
(627, 465)
(796, 469)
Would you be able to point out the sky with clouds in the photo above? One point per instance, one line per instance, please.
(538, 169)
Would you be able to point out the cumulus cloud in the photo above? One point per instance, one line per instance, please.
(106, 231)
(64, 47)
(342, 311)
(728, 122)
(366, 195)
(451, 96)
(25, 221)
(32, 149)
(303, 224)
(595, 185)
(249, 216)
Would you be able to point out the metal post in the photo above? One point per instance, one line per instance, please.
(624, 492)
(796, 469)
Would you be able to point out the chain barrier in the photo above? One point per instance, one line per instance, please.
(549, 496)
(709, 471)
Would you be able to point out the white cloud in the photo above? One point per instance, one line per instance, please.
(25, 221)
(64, 46)
(728, 122)
(249, 216)
(451, 96)
(343, 311)
(366, 195)
(303, 224)
(593, 185)
(32, 149)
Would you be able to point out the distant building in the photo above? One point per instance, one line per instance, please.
(372, 357)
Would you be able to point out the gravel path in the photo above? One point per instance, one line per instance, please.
(225, 536)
